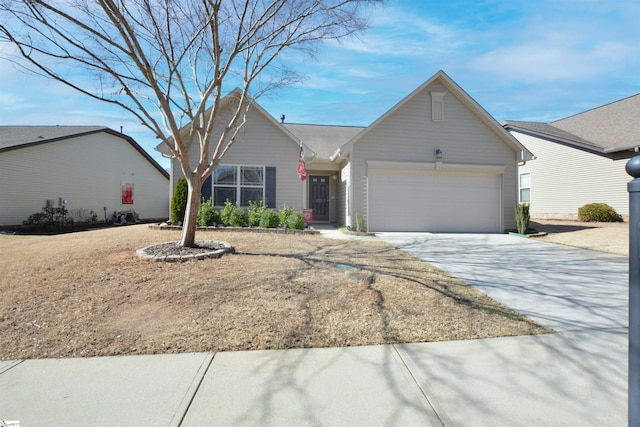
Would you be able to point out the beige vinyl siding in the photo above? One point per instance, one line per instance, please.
(564, 178)
(262, 144)
(410, 135)
(87, 171)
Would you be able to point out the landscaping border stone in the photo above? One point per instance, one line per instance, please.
(222, 248)
(237, 229)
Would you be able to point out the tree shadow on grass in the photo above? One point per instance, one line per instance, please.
(558, 228)
(367, 262)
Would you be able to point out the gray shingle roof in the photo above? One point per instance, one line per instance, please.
(545, 129)
(15, 136)
(611, 128)
(324, 140)
(615, 126)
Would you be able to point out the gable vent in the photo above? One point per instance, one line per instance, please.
(437, 106)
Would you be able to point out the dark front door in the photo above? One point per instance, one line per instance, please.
(319, 197)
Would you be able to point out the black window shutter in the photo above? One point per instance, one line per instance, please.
(270, 186)
(206, 189)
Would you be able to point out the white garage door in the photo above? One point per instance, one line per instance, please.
(434, 201)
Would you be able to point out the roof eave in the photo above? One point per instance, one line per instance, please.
(253, 103)
(105, 129)
(559, 139)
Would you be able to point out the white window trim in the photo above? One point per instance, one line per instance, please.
(520, 187)
(238, 185)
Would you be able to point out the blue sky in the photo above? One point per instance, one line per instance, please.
(537, 60)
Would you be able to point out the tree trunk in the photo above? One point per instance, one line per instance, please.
(190, 222)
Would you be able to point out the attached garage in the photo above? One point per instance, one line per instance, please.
(435, 162)
(428, 197)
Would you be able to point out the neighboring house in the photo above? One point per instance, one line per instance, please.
(84, 168)
(436, 161)
(579, 159)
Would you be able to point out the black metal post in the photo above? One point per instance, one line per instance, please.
(633, 169)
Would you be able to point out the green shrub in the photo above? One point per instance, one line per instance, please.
(238, 218)
(179, 201)
(284, 214)
(269, 219)
(522, 217)
(597, 212)
(360, 224)
(295, 221)
(256, 209)
(207, 215)
(49, 219)
(225, 214)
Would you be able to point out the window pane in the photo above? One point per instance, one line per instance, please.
(251, 175)
(250, 194)
(225, 175)
(221, 194)
(525, 195)
(525, 180)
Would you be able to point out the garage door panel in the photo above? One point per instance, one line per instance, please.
(437, 202)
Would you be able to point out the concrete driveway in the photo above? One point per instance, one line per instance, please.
(580, 293)
(567, 289)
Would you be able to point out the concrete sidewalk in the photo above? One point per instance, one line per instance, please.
(575, 377)
(543, 380)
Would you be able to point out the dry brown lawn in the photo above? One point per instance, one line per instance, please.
(611, 237)
(87, 294)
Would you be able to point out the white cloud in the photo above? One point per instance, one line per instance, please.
(397, 32)
(544, 61)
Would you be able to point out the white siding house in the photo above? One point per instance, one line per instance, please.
(436, 161)
(578, 160)
(85, 168)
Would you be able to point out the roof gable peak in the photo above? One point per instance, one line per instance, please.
(453, 88)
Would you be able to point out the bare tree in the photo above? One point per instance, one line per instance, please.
(165, 61)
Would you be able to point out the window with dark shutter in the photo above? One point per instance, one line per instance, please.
(206, 189)
(242, 184)
(270, 187)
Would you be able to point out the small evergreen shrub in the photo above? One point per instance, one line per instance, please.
(207, 215)
(269, 219)
(284, 213)
(522, 217)
(238, 218)
(179, 201)
(360, 224)
(597, 212)
(225, 214)
(256, 209)
(295, 221)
